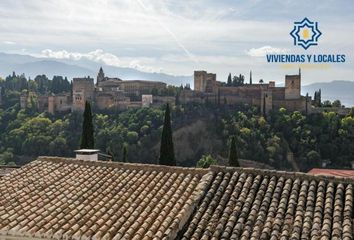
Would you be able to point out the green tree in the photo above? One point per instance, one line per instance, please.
(87, 139)
(206, 161)
(60, 84)
(313, 158)
(233, 157)
(238, 80)
(58, 147)
(177, 98)
(327, 103)
(6, 157)
(125, 153)
(144, 129)
(351, 112)
(132, 137)
(43, 83)
(229, 80)
(167, 155)
(337, 103)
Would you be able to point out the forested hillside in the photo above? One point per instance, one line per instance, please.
(198, 130)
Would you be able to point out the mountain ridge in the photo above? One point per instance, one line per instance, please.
(33, 66)
(333, 90)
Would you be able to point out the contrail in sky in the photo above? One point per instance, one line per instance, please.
(189, 54)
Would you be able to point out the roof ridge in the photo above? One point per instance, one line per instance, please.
(9, 166)
(197, 196)
(141, 166)
(277, 173)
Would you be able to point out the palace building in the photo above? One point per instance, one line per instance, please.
(108, 93)
(266, 96)
(117, 94)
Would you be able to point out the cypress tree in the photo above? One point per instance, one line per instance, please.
(229, 80)
(167, 155)
(87, 140)
(177, 100)
(125, 153)
(233, 158)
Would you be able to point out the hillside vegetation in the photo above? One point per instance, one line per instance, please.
(198, 130)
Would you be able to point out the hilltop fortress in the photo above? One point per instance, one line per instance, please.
(266, 96)
(107, 94)
(117, 94)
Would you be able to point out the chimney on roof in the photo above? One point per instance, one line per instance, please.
(87, 154)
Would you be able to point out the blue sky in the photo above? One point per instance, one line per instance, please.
(178, 37)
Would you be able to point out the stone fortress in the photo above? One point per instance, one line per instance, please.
(117, 94)
(266, 96)
(108, 93)
(112, 93)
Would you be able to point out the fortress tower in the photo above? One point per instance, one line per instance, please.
(293, 86)
(83, 90)
(51, 104)
(24, 100)
(204, 82)
(100, 76)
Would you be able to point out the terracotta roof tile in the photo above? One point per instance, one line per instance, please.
(71, 199)
(264, 204)
(5, 169)
(55, 198)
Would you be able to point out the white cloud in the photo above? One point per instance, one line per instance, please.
(170, 35)
(138, 65)
(100, 56)
(262, 51)
(97, 55)
(9, 42)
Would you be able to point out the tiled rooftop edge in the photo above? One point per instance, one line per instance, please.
(139, 166)
(196, 198)
(202, 171)
(277, 173)
(9, 166)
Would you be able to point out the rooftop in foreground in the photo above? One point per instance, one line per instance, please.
(332, 172)
(74, 199)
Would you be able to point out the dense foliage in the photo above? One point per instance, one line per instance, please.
(25, 135)
(312, 140)
(40, 83)
(284, 140)
(234, 81)
(206, 161)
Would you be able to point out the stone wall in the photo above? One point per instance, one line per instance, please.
(139, 87)
(292, 86)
